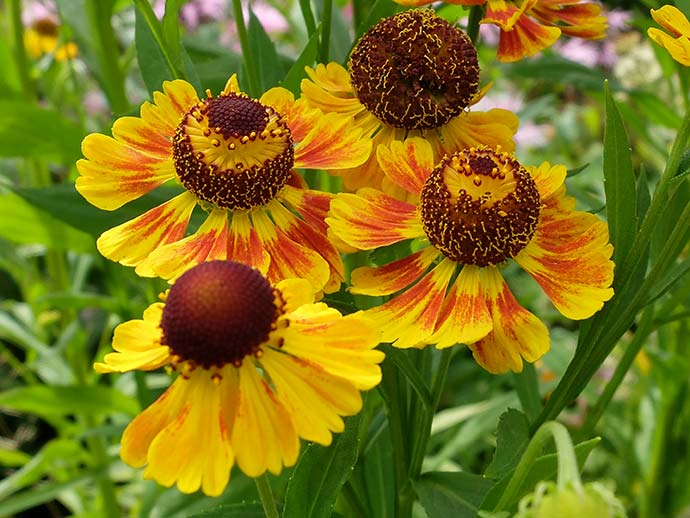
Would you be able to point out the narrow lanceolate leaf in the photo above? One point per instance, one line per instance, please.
(321, 473)
(294, 76)
(451, 494)
(45, 400)
(619, 183)
(512, 437)
(155, 67)
(271, 68)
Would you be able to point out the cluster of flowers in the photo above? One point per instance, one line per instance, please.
(261, 363)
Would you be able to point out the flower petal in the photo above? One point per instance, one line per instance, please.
(312, 234)
(177, 98)
(370, 219)
(464, 316)
(193, 448)
(209, 243)
(333, 143)
(548, 178)
(115, 173)
(263, 436)
(341, 345)
(394, 276)
(131, 242)
(408, 163)
(313, 397)
(525, 39)
(409, 319)
(516, 331)
(494, 128)
(301, 118)
(288, 258)
(244, 245)
(142, 136)
(569, 256)
(295, 293)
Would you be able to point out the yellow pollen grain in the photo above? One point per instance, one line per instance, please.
(215, 142)
(477, 180)
(252, 135)
(244, 139)
(216, 378)
(209, 95)
(231, 146)
(207, 132)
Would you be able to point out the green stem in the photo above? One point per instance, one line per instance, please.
(266, 496)
(326, 18)
(308, 15)
(527, 388)
(107, 50)
(21, 61)
(568, 471)
(247, 54)
(476, 15)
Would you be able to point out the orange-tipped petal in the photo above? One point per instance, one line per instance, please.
(464, 316)
(130, 243)
(407, 164)
(301, 118)
(370, 219)
(408, 320)
(261, 420)
(209, 243)
(394, 276)
(142, 136)
(333, 143)
(549, 179)
(115, 173)
(289, 259)
(516, 334)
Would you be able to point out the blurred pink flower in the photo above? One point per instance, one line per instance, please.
(196, 12)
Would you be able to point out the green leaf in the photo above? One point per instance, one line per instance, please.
(30, 131)
(152, 63)
(171, 31)
(321, 473)
(13, 458)
(451, 494)
(544, 468)
(619, 183)
(406, 366)
(294, 76)
(270, 67)
(45, 400)
(552, 68)
(512, 436)
(20, 222)
(243, 510)
(654, 110)
(66, 204)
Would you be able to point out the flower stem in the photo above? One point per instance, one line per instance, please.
(266, 496)
(308, 15)
(568, 471)
(18, 50)
(527, 388)
(476, 15)
(326, 18)
(247, 54)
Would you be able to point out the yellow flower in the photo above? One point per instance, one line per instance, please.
(42, 38)
(675, 22)
(234, 159)
(412, 74)
(257, 368)
(474, 210)
(530, 26)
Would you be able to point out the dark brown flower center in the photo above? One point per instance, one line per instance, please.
(480, 206)
(217, 313)
(414, 70)
(233, 151)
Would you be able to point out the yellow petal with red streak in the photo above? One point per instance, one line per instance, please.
(313, 397)
(193, 449)
(526, 39)
(516, 334)
(408, 163)
(333, 143)
(130, 243)
(342, 346)
(289, 259)
(115, 173)
(263, 435)
(548, 178)
(569, 256)
(209, 243)
(409, 319)
(244, 245)
(370, 219)
(394, 276)
(464, 316)
(496, 127)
